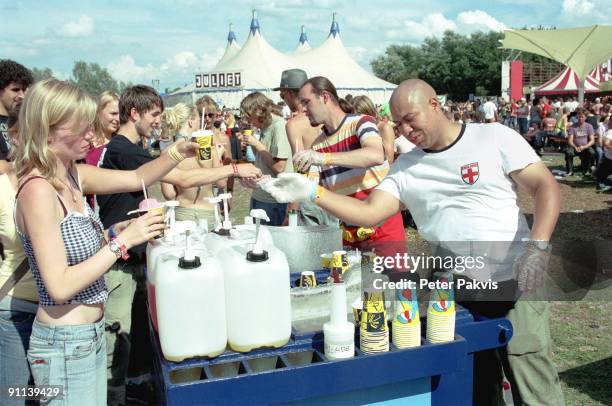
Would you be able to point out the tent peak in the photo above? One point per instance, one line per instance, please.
(254, 23)
(303, 37)
(335, 28)
(231, 36)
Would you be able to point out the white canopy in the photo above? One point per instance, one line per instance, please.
(260, 65)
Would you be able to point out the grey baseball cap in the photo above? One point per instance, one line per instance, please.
(292, 79)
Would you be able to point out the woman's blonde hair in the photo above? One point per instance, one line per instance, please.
(363, 105)
(103, 100)
(173, 119)
(230, 121)
(48, 104)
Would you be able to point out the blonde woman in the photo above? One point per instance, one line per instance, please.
(181, 121)
(105, 125)
(64, 241)
(363, 105)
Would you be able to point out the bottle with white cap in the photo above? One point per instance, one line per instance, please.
(190, 294)
(338, 332)
(226, 234)
(257, 293)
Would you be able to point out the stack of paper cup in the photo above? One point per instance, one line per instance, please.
(374, 333)
(406, 324)
(441, 310)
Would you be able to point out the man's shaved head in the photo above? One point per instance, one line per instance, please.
(418, 115)
(413, 91)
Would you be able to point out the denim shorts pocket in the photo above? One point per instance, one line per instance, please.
(76, 350)
(41, 368)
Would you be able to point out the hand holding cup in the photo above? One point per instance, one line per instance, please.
(142, 229)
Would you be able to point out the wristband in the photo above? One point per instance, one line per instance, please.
(175, 155)
(111, 232)
(327, 159)
(235, 169)
(316, 192)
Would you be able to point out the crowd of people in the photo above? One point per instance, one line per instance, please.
(556, 124)
(72, 168)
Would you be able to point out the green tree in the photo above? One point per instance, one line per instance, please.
(95, 79)
(455, 64)
(41, 74)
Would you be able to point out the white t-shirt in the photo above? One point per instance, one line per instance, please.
(464, 192)
(402, 145)
(489, 110)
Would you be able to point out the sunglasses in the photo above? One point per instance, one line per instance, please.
(210, 115)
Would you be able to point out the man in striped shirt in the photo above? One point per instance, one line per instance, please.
(350, 153)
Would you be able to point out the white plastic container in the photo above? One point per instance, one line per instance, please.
(338, 332)
(190, 305)
(257, 295)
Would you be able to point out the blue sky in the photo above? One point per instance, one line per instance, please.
(140, 40)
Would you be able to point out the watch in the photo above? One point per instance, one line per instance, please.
(541, 245)
(118, 248)
(115, 248)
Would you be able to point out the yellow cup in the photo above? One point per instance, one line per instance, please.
(204, 139)
(308, 279)
(326, 260)
(157, 211)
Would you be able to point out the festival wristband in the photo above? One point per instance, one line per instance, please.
(175, 155)
(316, 192)
(327, 158)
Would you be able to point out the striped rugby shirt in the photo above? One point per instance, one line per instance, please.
(354, 182)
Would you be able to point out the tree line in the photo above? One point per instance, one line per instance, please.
(455, 64)
(92, 77)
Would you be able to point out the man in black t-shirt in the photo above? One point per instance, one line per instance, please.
(14, 80)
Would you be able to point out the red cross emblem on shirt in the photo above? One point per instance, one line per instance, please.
(470, 173)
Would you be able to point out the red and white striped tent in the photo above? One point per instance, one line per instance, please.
(567, 82)
(598, 74)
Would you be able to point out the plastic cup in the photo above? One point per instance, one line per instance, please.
(204, 139)
(308, 279)
(326, 260)
(158, 211)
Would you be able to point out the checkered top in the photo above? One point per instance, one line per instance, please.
(83, 237)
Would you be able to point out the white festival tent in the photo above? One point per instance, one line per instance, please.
(257, 66)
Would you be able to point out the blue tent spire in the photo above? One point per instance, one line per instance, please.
(231, 36)
(303, 37)
(335, 28)
(254, 23)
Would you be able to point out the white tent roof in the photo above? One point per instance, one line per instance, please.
(303, 45)
(567, 82)
(232, 47)
(261, 66)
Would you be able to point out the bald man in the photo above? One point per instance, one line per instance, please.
(460, 186)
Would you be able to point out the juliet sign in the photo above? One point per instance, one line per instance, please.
(221, 79)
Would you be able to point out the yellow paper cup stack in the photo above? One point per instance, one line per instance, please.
(441, 311)
(374, 333)
(406, 324)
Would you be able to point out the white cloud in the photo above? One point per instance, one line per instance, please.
(431, 25)
(125, 69)
(480, 20)
(178, 67)
(577, 7)
(81, 27)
